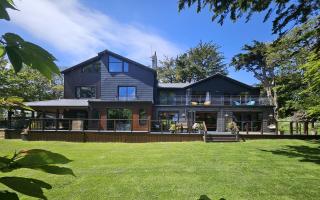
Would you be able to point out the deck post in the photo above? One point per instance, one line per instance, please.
(9, 119)
(313, 128)
(57, 119)
(261, 129)
(43, 120)
(291, 128)
(247, 128)
(297, 125)
(305, 127)
(277, 127)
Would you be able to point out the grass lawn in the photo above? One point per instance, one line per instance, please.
(256, 169)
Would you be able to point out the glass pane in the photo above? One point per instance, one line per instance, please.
(115, 67)
(125, 67)
(113, 59)
(131, 92)
(122, 93)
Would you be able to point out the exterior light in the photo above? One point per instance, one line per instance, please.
(226, 115)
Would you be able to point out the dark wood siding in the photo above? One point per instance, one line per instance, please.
(75, 78)
(143, 79)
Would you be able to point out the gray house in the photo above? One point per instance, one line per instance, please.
(112, 93)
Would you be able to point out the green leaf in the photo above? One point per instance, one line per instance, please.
(26, 186)
(32, 55)
(2, 51)
(4, 4)
(14, 57)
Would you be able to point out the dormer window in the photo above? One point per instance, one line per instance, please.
(93, 68)
(117, 65)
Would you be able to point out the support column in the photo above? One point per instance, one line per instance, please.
(221, 121)
(265, 120)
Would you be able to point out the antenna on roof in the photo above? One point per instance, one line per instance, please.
(154, 60)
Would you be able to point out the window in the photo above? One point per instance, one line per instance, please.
(167, 98)
(142, 117)
(93, 68)
(127, 93)
(86, 92)
(119, 119)
(117, 65)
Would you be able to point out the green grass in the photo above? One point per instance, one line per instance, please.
(256, 169)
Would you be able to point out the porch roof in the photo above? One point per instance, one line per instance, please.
(59, 103)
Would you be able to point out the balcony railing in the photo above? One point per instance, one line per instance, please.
(203, 100)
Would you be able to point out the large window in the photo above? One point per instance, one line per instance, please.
(127, 93)
(117, 65)
(119, 119)
(93, 68)
(86, 92)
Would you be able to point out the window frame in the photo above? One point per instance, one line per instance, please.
(124, 65)
(126, 98)
(91, 86)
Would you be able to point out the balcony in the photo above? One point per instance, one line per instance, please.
(203, 100)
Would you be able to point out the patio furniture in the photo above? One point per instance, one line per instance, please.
(184, 126)
(251, 103)
(193, 103)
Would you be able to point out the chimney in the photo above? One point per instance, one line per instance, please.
(154, 61)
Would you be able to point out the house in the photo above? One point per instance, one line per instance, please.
(110, 92)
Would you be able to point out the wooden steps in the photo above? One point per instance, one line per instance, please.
(221, 138)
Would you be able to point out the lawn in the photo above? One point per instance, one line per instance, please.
(256, 169)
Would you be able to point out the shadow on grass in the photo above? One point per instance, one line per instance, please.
(205, 197)
(305, 153)
(35, 159)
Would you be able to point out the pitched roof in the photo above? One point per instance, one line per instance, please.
(187, 85)
(100, 54)
(173, 85)
(60, 102)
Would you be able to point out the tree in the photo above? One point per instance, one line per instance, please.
(166, 71)
(200, 62)
(29, 84)
(23, 53)
(286, 12)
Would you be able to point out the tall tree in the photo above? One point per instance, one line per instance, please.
(200, 62)
(28, 84)
(254, 60)
(285, 11)
(166, 70)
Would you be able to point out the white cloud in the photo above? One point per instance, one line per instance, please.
(80, 32)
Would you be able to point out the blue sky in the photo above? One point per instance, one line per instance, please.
(74, 30)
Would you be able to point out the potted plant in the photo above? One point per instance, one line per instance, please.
(198, 127)
(173, 128)
(232, 127)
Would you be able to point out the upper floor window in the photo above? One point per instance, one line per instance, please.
(117, 65)
(85, 92)
(93, 68)
(127, 93)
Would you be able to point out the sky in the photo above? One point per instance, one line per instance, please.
(76, 30)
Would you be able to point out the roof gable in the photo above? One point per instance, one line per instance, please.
(100, 55)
